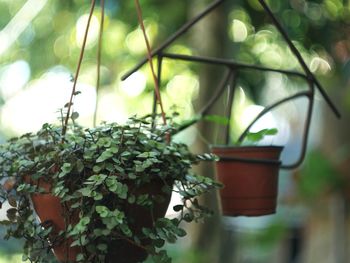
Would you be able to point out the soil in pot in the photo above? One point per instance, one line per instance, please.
(250, 187)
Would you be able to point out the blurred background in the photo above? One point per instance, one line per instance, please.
(40, 42)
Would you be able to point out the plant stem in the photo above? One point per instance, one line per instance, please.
(149, 55)
(82, 51)
(99, 48)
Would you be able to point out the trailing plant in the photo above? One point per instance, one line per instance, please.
(96, 173)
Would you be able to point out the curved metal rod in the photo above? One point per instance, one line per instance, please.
(309, 95)
(299, 57)
(306, 131)
(230, 75)
(311, 79)
(173, 37)
(231, 63)
(267, 109)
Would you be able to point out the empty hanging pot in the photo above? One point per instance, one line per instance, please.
(250, 178)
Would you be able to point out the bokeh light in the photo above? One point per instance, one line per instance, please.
(134, 85)
(93, 31)
(239, 31)
(13, 78)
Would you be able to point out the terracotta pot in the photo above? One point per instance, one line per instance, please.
(250, 178)
(49, 209)
(121, 251)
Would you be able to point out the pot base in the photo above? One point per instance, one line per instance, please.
(248, 207)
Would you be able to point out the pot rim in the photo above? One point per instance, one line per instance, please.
(222, 147)
(251, 160)
(228, 153)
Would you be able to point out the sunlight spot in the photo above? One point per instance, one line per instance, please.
(267, 121)
(182, 88)
(271, 57)
(320, 64)
(60, 47)
(134, 85)
(260, 46)
(248, 115)
(40, 101)
(241, 96)
(187, 136)
(112, 107)
(135, 40)
(180, 49)
(239, 31)
(13, 78)
(176, 199)
(93, 31)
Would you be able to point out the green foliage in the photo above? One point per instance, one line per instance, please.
(254, 137)
(217, 119)
(318, 176)
(100, 174)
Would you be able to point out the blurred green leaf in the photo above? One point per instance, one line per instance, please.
(260, 135)
(217, 119)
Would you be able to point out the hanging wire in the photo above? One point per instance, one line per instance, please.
(149, 56)
(99, 50)
(82, 51)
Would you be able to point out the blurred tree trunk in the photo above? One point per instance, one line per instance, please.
(328, 223)
(208, 38)
(336, 144)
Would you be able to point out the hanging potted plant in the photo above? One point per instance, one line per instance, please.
(247, 171)
(249, 175)
(101, 194)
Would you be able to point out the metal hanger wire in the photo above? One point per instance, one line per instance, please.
(234, 67)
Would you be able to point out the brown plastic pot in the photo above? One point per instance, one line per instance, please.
(49, 209)
(250, 178)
